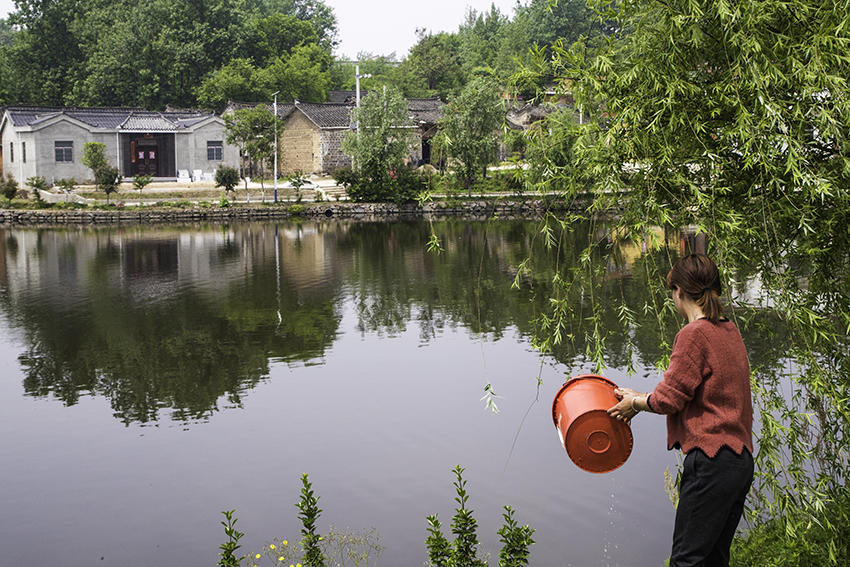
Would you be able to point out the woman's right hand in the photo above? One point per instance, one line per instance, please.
(624, 410)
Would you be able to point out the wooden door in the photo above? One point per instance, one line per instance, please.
(147, 160)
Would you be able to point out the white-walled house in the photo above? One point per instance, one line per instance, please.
(48, 142)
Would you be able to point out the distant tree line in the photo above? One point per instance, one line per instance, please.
(202, 53)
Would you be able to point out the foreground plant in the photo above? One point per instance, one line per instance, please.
(308, 513)
(463, 550)
(227, 556)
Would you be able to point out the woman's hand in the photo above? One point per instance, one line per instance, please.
(625, 410)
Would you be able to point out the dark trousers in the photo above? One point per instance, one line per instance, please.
(711, 501)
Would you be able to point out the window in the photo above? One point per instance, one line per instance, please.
(24, 151)
(64, 151)
(214, 150)
(12, 151)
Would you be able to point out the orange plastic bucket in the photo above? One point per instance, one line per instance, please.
(595, 441)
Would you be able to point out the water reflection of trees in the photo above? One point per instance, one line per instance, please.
(182, 321)
(127, 329)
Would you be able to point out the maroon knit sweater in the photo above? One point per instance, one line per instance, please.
(706, 390)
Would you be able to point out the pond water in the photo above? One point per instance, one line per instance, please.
(153, 377)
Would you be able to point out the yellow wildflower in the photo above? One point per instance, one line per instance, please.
(257, 556)
(285, 542)
(272, 546)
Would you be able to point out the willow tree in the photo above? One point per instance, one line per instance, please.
(379, 145)
(731, 116)
(469, 130)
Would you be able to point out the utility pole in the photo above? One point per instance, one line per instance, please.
(275, 145)
(357, 77)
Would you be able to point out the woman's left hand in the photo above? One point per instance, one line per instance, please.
(623, 410)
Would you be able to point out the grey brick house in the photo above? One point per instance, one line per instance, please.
(48, 142)
(311, 140)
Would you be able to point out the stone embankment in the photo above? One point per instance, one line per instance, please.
(358, 211)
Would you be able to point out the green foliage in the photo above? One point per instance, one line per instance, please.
(37, 183)
(469, 129)
(799, 539)
(308, 513)
(269, 37)
(9, 187)
(227, 556)
(346, 177)
(516, 540)
(463, 551)
(226, 177)
(236, 80)
(112, 54)
(726, 118)
(140, 182)
(253, 130)
(302, 75)
(67, 185)
(107, 179)
(379, 146)
(435, 61)
(94, 156)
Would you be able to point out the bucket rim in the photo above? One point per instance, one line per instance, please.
(572, 381)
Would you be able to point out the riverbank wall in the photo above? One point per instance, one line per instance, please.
(359, 211)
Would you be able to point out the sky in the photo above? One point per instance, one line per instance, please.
(381, 27)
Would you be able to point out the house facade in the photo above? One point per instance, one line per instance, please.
(311, 141)
(48, 142)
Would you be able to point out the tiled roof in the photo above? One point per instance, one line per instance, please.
(422, 110)
(425, 110)
(345, 97)
(149, 123)
(327, 114)
(109, 118)
(284, 110)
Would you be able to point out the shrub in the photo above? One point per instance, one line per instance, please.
(228, 557)
(308, 513)
(463, 551)
(799, 540)
(226, 177)
(140, 182)
(9, 187)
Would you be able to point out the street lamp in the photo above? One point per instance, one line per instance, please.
(275, 145)
(357, 77)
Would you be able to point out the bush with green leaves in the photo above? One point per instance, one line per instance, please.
(227, 556)
(379, 146)
(226, 177)
(107, 179)
(9, 187)
(140, 182)
(799, 539)
(463, 550)
(308, 513)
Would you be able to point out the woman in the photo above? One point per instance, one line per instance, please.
(706, 397)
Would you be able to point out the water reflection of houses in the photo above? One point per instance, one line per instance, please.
(149, 263)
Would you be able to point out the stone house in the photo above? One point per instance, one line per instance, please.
(311, 140)
(48, 142)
